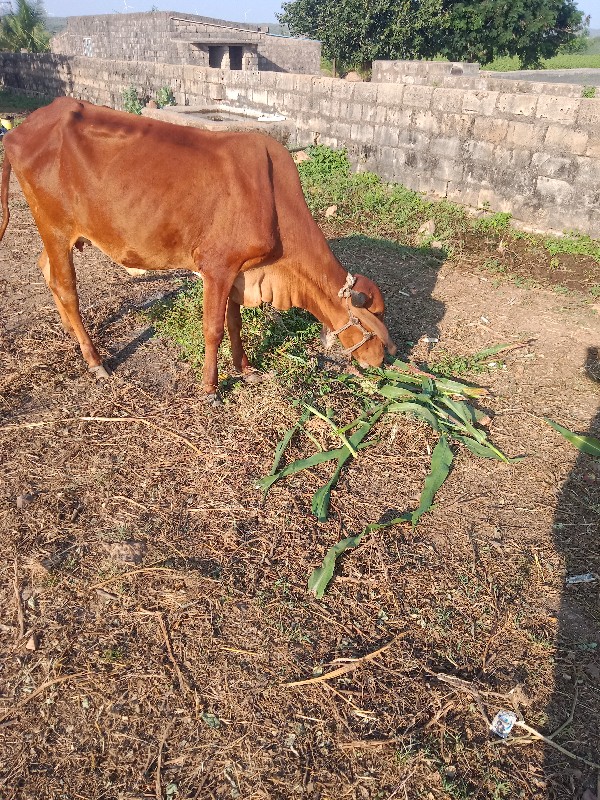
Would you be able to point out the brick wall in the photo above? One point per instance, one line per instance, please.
(169, 38)
(463, 76)
(534, 155)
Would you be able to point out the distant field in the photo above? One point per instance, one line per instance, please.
(589, 60)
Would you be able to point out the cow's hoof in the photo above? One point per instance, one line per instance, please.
(213, 400)
(252, 376)
(99, 372)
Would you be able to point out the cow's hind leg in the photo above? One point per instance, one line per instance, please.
(57, 266)
(44, 265)
(238, 354)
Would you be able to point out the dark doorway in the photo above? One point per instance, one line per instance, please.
(215, 56)
(235, 57)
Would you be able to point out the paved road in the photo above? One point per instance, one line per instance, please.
(585, 77)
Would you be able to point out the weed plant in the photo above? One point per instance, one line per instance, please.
(368, 205)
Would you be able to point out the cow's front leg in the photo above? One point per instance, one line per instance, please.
(238, 354)
(216, 293)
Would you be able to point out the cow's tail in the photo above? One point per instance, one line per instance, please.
(6, 170)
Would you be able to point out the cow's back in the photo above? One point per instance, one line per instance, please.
(144, 191)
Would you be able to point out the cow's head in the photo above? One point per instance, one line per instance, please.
(364, 335)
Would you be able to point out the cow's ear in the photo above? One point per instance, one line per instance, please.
(327, 338)
(358, 299)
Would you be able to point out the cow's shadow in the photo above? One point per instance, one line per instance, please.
(577, 644)
(407, 277)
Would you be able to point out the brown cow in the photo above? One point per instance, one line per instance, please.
(154, 195)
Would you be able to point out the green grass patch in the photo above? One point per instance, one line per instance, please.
(284, 342)
(588, 60)
(367, 205)
(573, 244)
(10, 102)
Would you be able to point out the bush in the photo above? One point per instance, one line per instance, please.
(165, 97)
(131, 101)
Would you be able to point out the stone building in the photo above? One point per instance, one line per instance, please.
(171, 38)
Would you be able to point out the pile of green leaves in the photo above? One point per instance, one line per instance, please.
(440, 402)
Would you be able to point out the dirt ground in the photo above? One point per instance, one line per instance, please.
(153, 611)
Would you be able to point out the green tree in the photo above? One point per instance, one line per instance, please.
(25, 28)
(357, 31)
(529, 29)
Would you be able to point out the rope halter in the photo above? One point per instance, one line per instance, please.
(353, 322)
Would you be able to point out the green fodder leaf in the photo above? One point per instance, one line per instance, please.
(297, 466)
(441, 462)
(427, 386)
(461, 410)
(417, 410)
(406, 377)
(401, 371)
(460, 419)
(377, 526)
(583, 442)
(322, 497)
(287, 438)
(395, 392)
(483, 449)
(491, 351)
(448, 386)
(319, 580)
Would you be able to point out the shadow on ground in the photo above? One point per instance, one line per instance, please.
(576, 697)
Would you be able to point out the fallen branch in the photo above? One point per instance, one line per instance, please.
(161, 744)
(182, 684)
(465, 686)
(124, 575)
(537, 735)
(140, 420)
(347, 667)
(20, 614)
(9, 712)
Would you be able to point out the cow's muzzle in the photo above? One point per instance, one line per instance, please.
(359, 317)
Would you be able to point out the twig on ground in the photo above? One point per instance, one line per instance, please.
(347, 667)
(4, 715)
(20, 615)
(141, 420)
(537, 735)
(165, 633)
(161, 744)
(465, 686)
(124, 575)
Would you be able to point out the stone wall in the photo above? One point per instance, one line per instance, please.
(464, 76)
(534, 155)
(167, 37)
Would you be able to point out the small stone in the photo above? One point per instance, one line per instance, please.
(32, 642)
(330, 212)
(301, 156)
(427, 228)
(130, 551)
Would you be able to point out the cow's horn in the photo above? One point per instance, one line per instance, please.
(358, 299)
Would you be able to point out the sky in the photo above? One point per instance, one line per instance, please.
(235, 10)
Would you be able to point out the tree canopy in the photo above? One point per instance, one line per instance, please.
(24, 28)
(357, 31)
